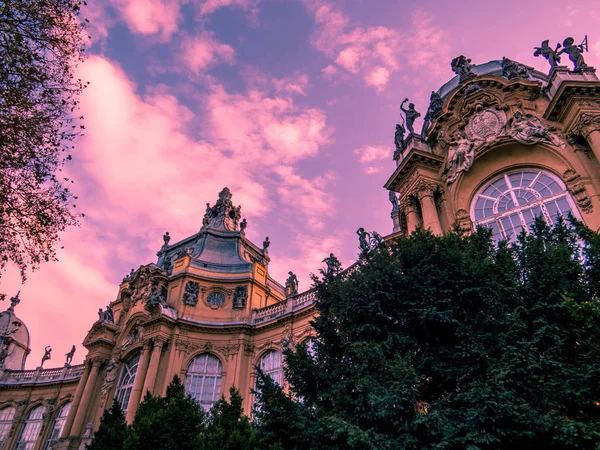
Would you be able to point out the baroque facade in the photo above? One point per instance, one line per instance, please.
(501, 144)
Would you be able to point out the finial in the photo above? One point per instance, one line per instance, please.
(266, 244)
(166, 238)
(14, 301)
(243, 225)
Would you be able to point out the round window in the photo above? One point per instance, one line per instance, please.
(215, 299)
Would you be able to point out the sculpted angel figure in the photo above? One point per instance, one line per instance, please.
(461, 154)
(575, 53)
(528, 129)
(549, 53)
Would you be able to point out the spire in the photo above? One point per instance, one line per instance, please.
(14, 301)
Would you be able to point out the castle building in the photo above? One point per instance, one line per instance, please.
(501, 144)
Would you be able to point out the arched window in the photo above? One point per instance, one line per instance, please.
(511, 202)
(270, 364)
(59, 423)
(31, 429)
(203, 380)
(126, 381)
(6, 418)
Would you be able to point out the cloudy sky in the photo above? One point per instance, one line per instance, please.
(290, 103)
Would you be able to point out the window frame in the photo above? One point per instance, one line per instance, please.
(58, 424)
(31, 429)
(127, 380)
(500, 219)
(195, 376)
(6, 423)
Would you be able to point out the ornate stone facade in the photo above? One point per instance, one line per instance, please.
(495, 131)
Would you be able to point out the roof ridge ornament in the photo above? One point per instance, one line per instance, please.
(575, 53)
(461, 66)
(223, 215)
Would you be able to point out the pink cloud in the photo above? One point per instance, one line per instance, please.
(150, 17)
(210, 6)
(202, 51)
(372, 153)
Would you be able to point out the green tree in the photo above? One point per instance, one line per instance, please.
(173, 422)
(112, 431)
(228, 428)
(41, 42)
(451, 342)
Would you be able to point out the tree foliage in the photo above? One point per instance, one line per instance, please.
(112, 431)
(450, 342)
(41, 41)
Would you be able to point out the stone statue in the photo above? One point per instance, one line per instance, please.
(527, 129)
(166, 239)
(333, 265)
(512, 69)
(110, 374)
(106, 316)
(192, 291)
(461, 154)
(461, 65)
(206, 218)
(240, 297)
(266, 244)
(411, 115)
(46, 357)
(167, 265)
(157, 296)
(399, 138)
(291, 284)
(394, 201)
(70, 356)
(575, 53)
(243, 225)
(551, 55)
(436, 103)
(135, 335)
(363, 242)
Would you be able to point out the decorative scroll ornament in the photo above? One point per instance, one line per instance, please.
(512, 69)
(486, 125)
(527, 129)
(578, 190)
(190, 296)
(240, 297)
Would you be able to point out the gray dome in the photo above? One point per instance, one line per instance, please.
(15, 338)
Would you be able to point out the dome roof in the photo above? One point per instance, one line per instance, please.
(14, 332)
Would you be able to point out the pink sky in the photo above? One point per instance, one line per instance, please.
(290, 103)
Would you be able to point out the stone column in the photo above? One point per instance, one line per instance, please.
(588, 126)
(138, 384)
(431, 219)
(153, 366)
(85, 398)
(412, 220)
(76, 401)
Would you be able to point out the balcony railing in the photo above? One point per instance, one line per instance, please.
(41, 376)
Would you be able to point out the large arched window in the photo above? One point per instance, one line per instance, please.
(511, 202)
(203, 380)
(6, 418)
(31, 429)
(59, 424)
(126, 381)
(270, 364)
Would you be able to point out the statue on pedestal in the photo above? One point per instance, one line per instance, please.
(411, 115)
(46, 356)
(575, 52)
(69, 356)
(291, 284)
(551, 55)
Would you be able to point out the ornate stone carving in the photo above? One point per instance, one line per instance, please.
(436, 103)
(410, 204)
(186, 347)
(394, 201)
(578, 190)
(229, 350)
(158, 296)
(551, 55)
(248, 349)
(167, 265)
(222, 216)
(512, 69)
(461, 154)
(135, 335)
(192, 291)
(411, 115)
(240, 298)
(106, 316)
(461, 65)
(585, 124)
(110, 375)
(471, 89)
(486, 125)
(243, 226)
(215, 299)
(463, 221)
(527, 129)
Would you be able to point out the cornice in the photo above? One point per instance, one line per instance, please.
(414, 158)
(569, 92)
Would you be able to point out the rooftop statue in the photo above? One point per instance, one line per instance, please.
(46, 356)
(243, 226)
(222, 216)
(266, 244)
(166, 238)
(411, 115)
(106, 316)
(527, 129)
(291, 284)
(394, 201)
(547, 52)
(436, 103)
(333, 265)
(69, 356)
(512, 69)
(399, 139)
(461, 154)
(461, 66)
(575, 52)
